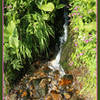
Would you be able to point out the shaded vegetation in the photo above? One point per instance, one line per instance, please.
(28, 29)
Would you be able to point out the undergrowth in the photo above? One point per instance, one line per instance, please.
(28, 26)
(83, 24)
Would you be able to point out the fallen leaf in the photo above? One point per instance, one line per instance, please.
(24, 94)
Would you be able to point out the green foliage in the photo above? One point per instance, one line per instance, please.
(47, 7)
(11, 44)
(83, 22)
(27, 28)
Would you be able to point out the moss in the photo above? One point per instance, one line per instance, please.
(68, 49)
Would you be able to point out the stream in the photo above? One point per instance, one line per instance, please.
(55, 64)
(49, 82)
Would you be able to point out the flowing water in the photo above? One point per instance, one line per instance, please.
(55, 64)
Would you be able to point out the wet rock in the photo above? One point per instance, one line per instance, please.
(30, 86)
(49, 79)
(45, 68)
(55, 88)
(56, 75)
(67, 96)
(43, 87)
(49, 97)
(24, 94)
(54, 82)
(21, 94)
(43, 83)
(39, 75)
(55, 95)
(42, 92)
(66, 80)
(35, 94)
(53, 85)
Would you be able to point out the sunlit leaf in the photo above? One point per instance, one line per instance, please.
(46, 16)
(48, 7)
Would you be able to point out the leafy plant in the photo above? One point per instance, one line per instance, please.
(83, 22)
(27, 28)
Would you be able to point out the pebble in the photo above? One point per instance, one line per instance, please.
(45, 86)
(67, 96)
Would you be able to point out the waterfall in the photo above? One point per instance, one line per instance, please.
(55, 64)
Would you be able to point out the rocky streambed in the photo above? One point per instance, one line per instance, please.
(45, 84)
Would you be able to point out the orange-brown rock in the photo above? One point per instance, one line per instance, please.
(64, 82)
(55, 95)
(48, 97)
(24, 94)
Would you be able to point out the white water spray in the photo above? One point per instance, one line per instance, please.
(55, 64)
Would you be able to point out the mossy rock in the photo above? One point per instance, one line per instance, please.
(67, 50)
